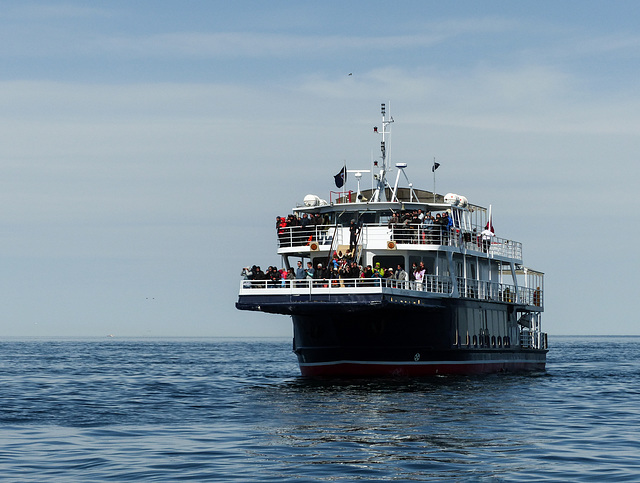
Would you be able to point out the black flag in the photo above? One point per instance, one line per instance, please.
(434, 167)
(341, 177)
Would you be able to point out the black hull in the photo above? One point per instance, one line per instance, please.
(380, 335)
(371, 345)
(425, 363)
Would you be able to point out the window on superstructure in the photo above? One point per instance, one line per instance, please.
(389, 261)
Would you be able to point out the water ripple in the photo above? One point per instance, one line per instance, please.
(235, 410)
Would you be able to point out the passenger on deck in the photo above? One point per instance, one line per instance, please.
(356, 270)
(486, 235)
(427, 228)
(258, 274)
(414, 269)
(424, 275)
(400, 274)
(309, 272)
(281, 228)
(290, 275)
(273, 276)
(419, 276)
(344, 272)
(448, 226)
(354, 231)
(378, 269)
(247, 274)
(335, 263)
(300, 271)
(393, 221)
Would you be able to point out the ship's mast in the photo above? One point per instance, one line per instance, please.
(381, 176)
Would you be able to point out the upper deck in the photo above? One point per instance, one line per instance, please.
(297, 240)
(392, 225)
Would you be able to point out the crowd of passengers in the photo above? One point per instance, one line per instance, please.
(340, 268)
(406, 227)
(404, 224)
(304, 221)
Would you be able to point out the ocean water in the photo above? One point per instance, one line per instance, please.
(237, 410)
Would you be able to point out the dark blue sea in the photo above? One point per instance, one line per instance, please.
(237, 410)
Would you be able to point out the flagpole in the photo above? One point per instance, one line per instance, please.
(434, 178)
(344, 183)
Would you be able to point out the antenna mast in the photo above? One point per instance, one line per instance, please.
(381, 176)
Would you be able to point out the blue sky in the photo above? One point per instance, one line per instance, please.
(146, 147)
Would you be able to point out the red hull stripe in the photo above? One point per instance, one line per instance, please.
(421, 363)
(386, 368)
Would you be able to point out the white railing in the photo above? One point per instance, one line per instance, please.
(467, 288)
(431, 284)
(486, 290)
(455, 237)
(533, 339)
(297, 236)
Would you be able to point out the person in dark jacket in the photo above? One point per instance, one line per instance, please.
(354, 231)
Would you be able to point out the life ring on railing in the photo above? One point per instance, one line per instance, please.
(391, 245)
(314, 246)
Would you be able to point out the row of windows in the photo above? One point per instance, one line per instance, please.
(484, 341)
(474, 321)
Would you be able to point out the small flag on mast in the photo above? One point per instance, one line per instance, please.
(489, 225)
(434, 167)
(341, 177)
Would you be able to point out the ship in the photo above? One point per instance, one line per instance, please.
(400, 281)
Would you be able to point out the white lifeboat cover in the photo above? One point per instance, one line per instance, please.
(313, 200)
(452, 199)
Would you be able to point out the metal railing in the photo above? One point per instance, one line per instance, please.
(455, 237)
(533, 339)
(297, 236)
(486, 290)
(433, 284)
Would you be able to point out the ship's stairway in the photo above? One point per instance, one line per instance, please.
(345, 248)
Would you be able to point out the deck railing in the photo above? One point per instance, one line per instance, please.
(486, 290)
(432, 284)
(297, 236)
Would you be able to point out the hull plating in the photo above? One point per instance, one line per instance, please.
(392, 342)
